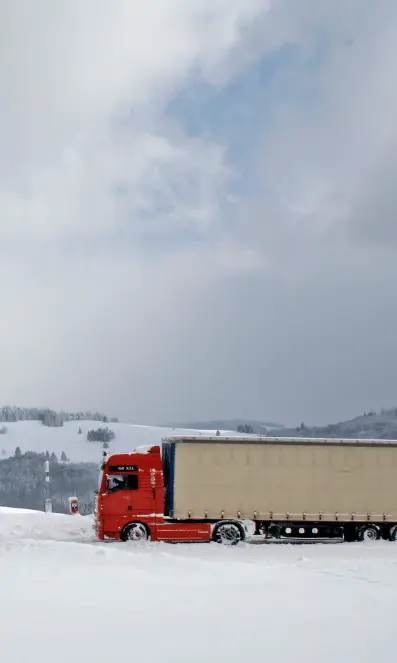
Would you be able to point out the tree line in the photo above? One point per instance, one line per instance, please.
(48, 417)
(22, 481)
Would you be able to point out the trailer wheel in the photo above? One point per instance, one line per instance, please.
(393, 533)
(134, 532)
(368, 533)
(228, 533)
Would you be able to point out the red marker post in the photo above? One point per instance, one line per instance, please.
(73, 505)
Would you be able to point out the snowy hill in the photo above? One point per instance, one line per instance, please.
(255, 426)
(22, 474)
(376, 425)
(33, 436)
(73, 599)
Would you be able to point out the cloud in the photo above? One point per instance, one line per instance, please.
(335, 129)
(241, 269)
(85, 90)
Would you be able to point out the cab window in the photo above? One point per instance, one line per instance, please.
(116, 482)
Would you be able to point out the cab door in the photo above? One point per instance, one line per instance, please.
(117, 496)
(143, 500)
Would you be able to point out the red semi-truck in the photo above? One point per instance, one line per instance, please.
(227, 489)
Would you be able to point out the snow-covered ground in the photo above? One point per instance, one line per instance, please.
(68, 599)
(33, 436)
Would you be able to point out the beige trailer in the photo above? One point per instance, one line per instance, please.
(285, 479)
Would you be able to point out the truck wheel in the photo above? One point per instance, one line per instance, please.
(368, 533)
(228, 533)
(134, 532)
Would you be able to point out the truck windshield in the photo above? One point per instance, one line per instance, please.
(121, 482)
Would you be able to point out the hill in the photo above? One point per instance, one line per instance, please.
(254, 426)
(74, 448)
(378, 425)
(71, 438)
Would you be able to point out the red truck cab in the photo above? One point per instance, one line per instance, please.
(130, 501)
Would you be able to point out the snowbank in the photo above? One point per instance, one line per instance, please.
(22, 524)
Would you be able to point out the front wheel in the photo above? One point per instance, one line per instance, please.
(228, 533)
(134, 532)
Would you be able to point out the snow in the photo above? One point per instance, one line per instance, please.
(67, 598)
(33, 436)
(143, 449)
(23, 524)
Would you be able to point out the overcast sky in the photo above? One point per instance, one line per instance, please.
(198, 207)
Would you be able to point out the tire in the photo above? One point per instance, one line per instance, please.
(368, 533)
(228, 533)
(393, 533)
(134, 532)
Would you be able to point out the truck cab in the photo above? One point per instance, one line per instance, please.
(130, 489)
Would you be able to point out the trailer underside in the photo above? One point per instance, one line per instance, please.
(232, 532)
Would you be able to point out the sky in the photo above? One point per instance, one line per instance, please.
(198, 207)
